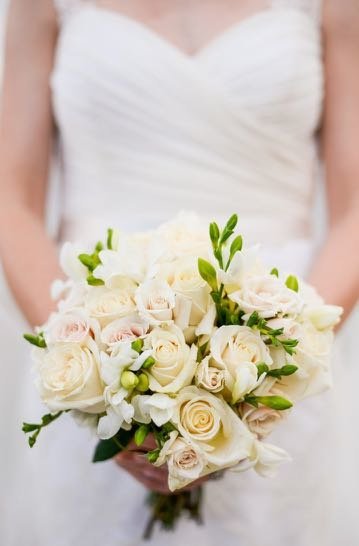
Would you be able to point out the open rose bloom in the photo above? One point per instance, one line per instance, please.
(187, 337)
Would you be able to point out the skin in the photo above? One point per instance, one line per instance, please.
(26, 135)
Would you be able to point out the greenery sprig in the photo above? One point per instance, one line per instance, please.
(37, 427)
(91, 261)
(37, 340)
(274, 402)
(272, 335)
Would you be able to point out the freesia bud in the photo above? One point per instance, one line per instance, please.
(129, 380)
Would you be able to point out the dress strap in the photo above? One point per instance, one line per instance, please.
(312, 7)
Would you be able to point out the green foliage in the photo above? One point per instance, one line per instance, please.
(292, 283)
(141, 434)
(208, 273)
(106, 449)
(272, 336)
(275, 272)
(288, 369)
(274, 402)
(37, 340)
(36, 428)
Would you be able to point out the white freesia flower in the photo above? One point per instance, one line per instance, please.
(72, 327)
(245, 264)
(185, 461)
(238, 350)
(209, 423)
(69, 377)
(155, 301)
(107, 305)
(70, 263)
(209, 377)
(157, 407)
(119, 414)
(128, 262)
(323, 317)
(264, 458)
(175, 361)
(124, 329)
(268, 296)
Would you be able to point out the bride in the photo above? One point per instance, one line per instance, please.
(215, 106)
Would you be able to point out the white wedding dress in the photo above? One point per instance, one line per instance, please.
(146, 131)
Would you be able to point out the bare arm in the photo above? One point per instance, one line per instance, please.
(336, 271)
(28, 255)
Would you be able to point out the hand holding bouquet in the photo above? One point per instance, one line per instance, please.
(186, 337)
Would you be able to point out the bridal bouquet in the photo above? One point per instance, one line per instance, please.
(185, 337)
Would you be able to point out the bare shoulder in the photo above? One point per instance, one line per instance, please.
(341, 19)
(33, 11)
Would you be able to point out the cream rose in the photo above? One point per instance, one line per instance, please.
(185, 461)
(175, 361)
(155, 301)
(238, 350)
(261, 421)
(69, 377)
(192, 292)
(124, 329)
(73, 327)
(209, 423)
(106, 305)
(209, 377)
(268, 296)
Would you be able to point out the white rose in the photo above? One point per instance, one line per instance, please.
(69, 377)
(155, 301)
(261, 421)
(72, 327)
(124, 329)
(183, 277)
(106, 305)
(209, 377)
(185, 461)
(157, 407)
(208, 422)
(323, 317)
(268, 296)
(186, 234)
(238, 350)
(175, 361)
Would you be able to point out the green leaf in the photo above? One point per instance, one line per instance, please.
(29, 427)
(289, 345)
(253, 319)
(92, 281)
(236, 245)
(106, 449)
(275, 272)
(112, 239)
(274, 402)
(292, 283)
(214, 233)
(38, 340)
(153, 455)
(148, 363)
(262, 368)
(288, 369)
(232, 222)
(141, 434)
(208, 273)
(137, 345)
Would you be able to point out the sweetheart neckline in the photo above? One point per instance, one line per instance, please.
(210, 44)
